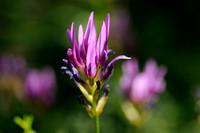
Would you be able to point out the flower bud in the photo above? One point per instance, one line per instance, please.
(96, 93)
(103, 100)
(85, 105)
(101, 105)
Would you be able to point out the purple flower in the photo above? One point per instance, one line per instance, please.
(12, 65)
(12, 71)
(88, 57)
(142, 87)
(40, 85)
(86, 62)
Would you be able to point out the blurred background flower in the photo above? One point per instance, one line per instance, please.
(141, 89)
(12, 72)
(18, 82)
(12, 68)
(40, 86)
(166, 31)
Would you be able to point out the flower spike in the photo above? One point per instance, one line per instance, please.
(86, 63)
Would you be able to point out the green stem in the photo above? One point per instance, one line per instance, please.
(96, 118)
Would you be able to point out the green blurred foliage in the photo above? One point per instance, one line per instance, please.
(164, 30)
(25, 123)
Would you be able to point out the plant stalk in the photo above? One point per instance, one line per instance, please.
(96, 118)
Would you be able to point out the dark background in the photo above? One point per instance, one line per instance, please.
(167, 31)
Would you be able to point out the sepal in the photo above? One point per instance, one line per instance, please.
(102, 101)
(85, 105)
(96, 93)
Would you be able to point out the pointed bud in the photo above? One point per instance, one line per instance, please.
(85, 93)
(85, 105)
(101, 104)
(96, 93)
(103, 100)
(81, 101)
(106, 90)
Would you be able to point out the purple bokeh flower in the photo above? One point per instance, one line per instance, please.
(12, 65)
(88, 57)
(40, 85)
(142, 87)
(12, 71)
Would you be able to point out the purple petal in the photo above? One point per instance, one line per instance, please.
(82, 52)
(90, 60)
(103, 58)
(87, 31)
(74, 75)
(110, 51)
(75, 50)
(103, 37)
(118, 58)
(107, 25)
(67, 62)
(80, 35)
(109, 69)
(92, 36)
(74, 70)
(79, 59)
(71, 57)
(73, 33)
(101, 41)
(90, 50)
(69, 34)
(89, 39)
(66, 70)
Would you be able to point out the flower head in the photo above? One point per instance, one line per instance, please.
(88, 57)
(142, 87)
(86, 61)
